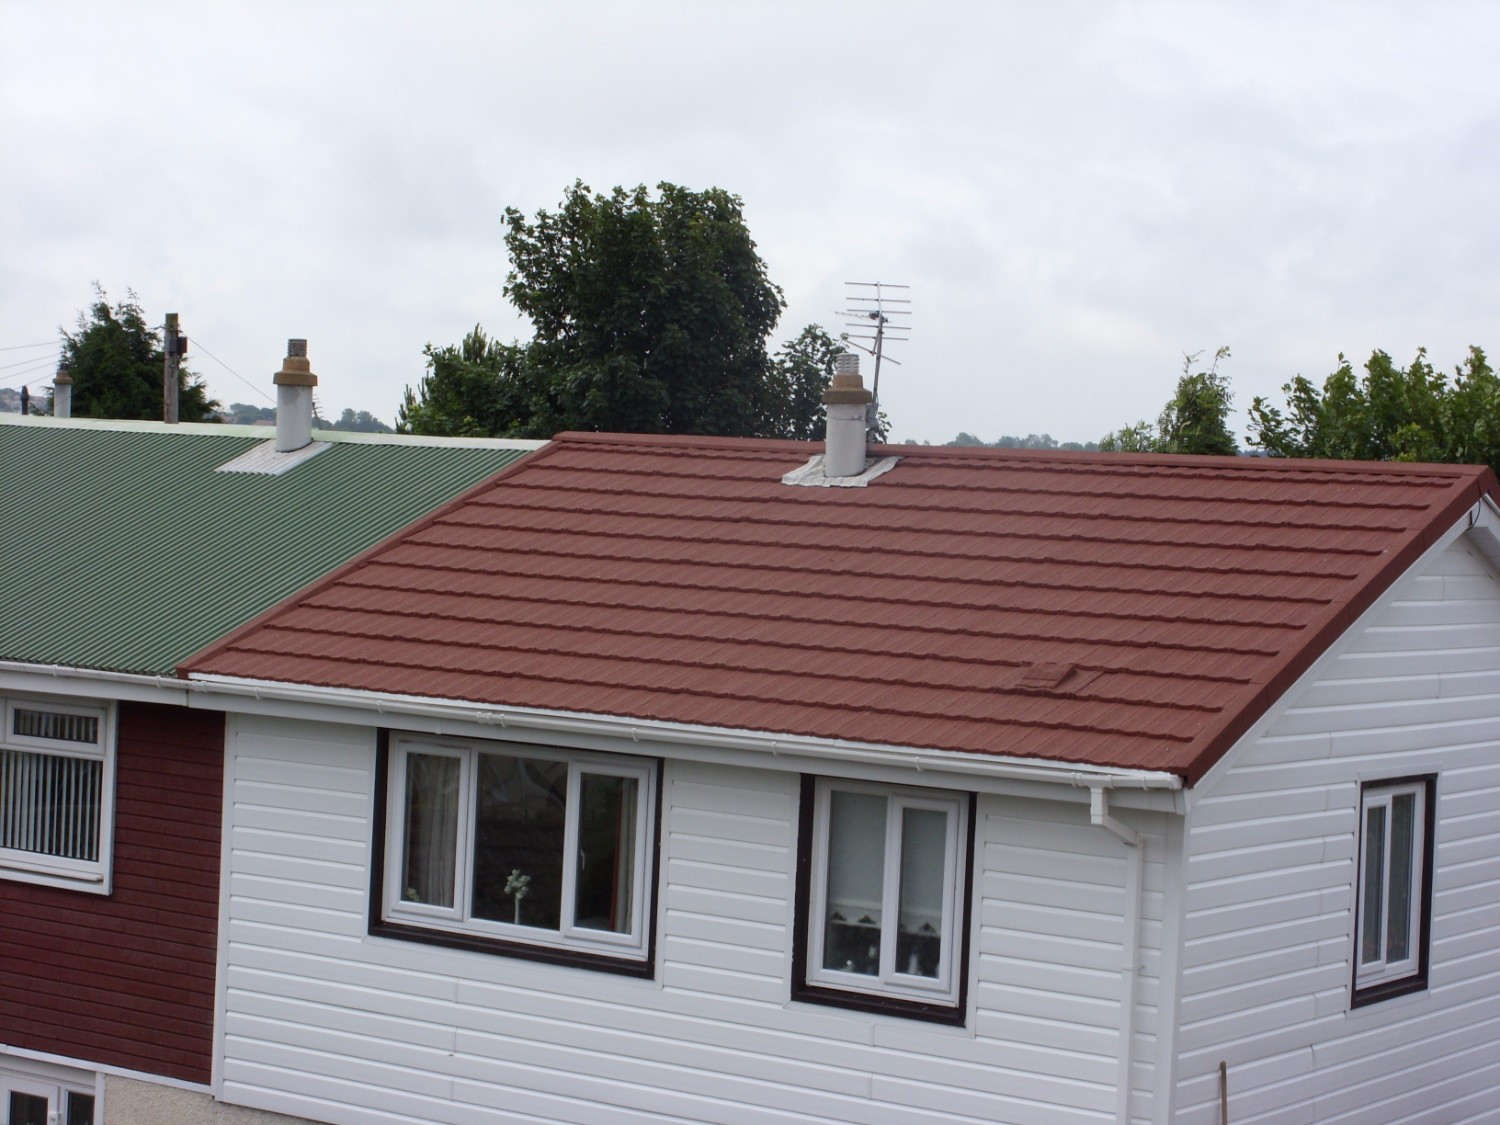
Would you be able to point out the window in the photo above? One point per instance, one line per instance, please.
(1395, 888)
(56, 789)
(42, 1094)
(883, 872)
(520, 848)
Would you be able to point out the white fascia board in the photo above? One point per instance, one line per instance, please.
(1483, 526)
(476, 719)
(93, 683)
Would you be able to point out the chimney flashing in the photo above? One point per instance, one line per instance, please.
(266, 460)
(814, 474)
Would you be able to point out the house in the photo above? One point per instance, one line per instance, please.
(707, 780)
(124, 548)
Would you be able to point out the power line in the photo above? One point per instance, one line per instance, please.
(31, 361)
(18, 347)
(198, 343)
(47, 365)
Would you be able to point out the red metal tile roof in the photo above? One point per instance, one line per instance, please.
(1124, 611)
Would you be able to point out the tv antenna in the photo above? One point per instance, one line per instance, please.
(870, 316)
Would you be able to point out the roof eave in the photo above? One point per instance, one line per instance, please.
(917, 758)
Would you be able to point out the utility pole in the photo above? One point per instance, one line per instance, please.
(169, 370)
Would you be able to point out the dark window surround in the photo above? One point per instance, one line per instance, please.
(954, 1014)
(644, 968)
(1417, 981)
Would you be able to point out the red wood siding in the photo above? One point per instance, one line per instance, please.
(128, 979)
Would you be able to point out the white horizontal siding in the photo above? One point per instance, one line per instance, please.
(325, 1021)
(1272, 843)
(1052, 908)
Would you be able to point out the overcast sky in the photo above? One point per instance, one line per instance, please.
(1077, 194)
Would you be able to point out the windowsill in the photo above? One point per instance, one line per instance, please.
(927, 1011)
(1387, 990)
(630, 966)
(45, 875)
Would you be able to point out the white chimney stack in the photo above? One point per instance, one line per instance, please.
(294, 405)
(847, 400)
(62, 394)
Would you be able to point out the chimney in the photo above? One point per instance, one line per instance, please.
(62, 394)
(294, 390)
(846, 399)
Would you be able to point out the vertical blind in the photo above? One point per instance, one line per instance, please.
(50, 804)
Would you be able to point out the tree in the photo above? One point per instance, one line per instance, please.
(649, 315)
(247, 414)
(1030, 441)
(1389, 413)
(471, 390)
(1194, 420)
(116, 363)
(800, 373)
(358, 422)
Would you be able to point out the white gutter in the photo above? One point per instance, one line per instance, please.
(179, 690)
(638, 730)
(923, 759)
(1129, 944)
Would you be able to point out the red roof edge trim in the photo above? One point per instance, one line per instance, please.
(1241, 719)
(184, 668)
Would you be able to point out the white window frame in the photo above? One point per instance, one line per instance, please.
(458, 919)
(890, 981)
(27, 866)
(55, 1083)
(1380, 795)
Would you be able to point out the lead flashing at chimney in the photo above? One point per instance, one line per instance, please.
(812, 474)
(267, 460)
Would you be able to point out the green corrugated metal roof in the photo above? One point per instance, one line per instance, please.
(122, 548)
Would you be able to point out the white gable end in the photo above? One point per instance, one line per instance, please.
(1273, 839)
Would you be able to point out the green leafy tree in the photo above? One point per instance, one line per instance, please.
(116, 362)
(474, 389)
(800, 373)
(1194, 420)
(1388, 413)
(247, 414)
(650, 314)
(359, 422)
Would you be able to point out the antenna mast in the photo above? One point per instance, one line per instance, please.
(872, 318)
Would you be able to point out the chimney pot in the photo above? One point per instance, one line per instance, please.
(847, 401)
(62, 394)
(294, 390)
